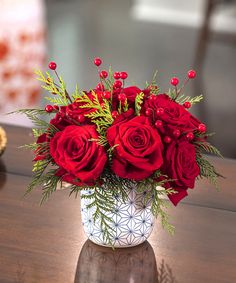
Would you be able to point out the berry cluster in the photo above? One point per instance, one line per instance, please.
(118, 86)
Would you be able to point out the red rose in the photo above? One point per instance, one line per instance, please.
(73, 151)
(180, 164)
(139, 148)
(68, 115)
(130, 92)
(175, 116)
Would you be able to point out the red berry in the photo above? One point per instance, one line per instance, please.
(158, 124)
(114, 114)
(97, 61)
(167, 139)
(56, 107)
(107, 94)
(99, 94)
(102, 105)
(160, 111)
(103, 74)
(81, 118)
(116, 75)
(202, 128)
(174, 81)
(190, 136)
(122, 97)
(187, 104)
(70, 114)
(100, 87)
(123, 75)
(152, 97)
(176, 133)
(192, 74)
(49, 108)
(149, 112)
(52, 66)
(117, 84)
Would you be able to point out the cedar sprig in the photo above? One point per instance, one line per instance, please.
(154, 198)
(39, 168)
(183, 98)
(50, 183)
(101, 117)
(207, 170)
(54, 88)
(207, 147)
(77, 93)
(138, 103)
(103, 203)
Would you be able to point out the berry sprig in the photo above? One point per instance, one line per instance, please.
(175, 81)
(53, 66)
(118, 84)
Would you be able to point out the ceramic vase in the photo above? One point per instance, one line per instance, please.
(132, 220)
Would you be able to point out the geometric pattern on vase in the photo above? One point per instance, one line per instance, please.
(133, 221)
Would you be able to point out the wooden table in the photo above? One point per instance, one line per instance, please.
(46, 244)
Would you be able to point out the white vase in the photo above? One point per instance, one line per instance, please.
(133, 221)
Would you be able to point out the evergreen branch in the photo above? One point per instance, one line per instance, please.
(102, 200)
(34, 112)
(49, 182)
(182, 98)
(138, 103)
(154, 78)
(100, 141)
(38, 169)
(64, 93)
(31, 146)
(207, 147)
(126, 105)
(56, 100)
(101, 117)
(171, 93)
(110, 151)
(43, 125)
(153, 197)
(37, 132)
(75, 190)
(207, 170)
(76, 94)
(54, 88)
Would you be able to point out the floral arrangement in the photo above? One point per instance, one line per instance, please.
(113, 137)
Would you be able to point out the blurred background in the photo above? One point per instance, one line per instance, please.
(137, 36)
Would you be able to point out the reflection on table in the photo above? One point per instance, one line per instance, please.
(133, 265)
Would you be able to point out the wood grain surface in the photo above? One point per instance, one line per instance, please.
(47, 245)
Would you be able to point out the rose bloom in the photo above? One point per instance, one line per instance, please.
(131, 92)
(181, 166)
(67, 115)
(175, 116)
(73, 151)
(138, 146)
